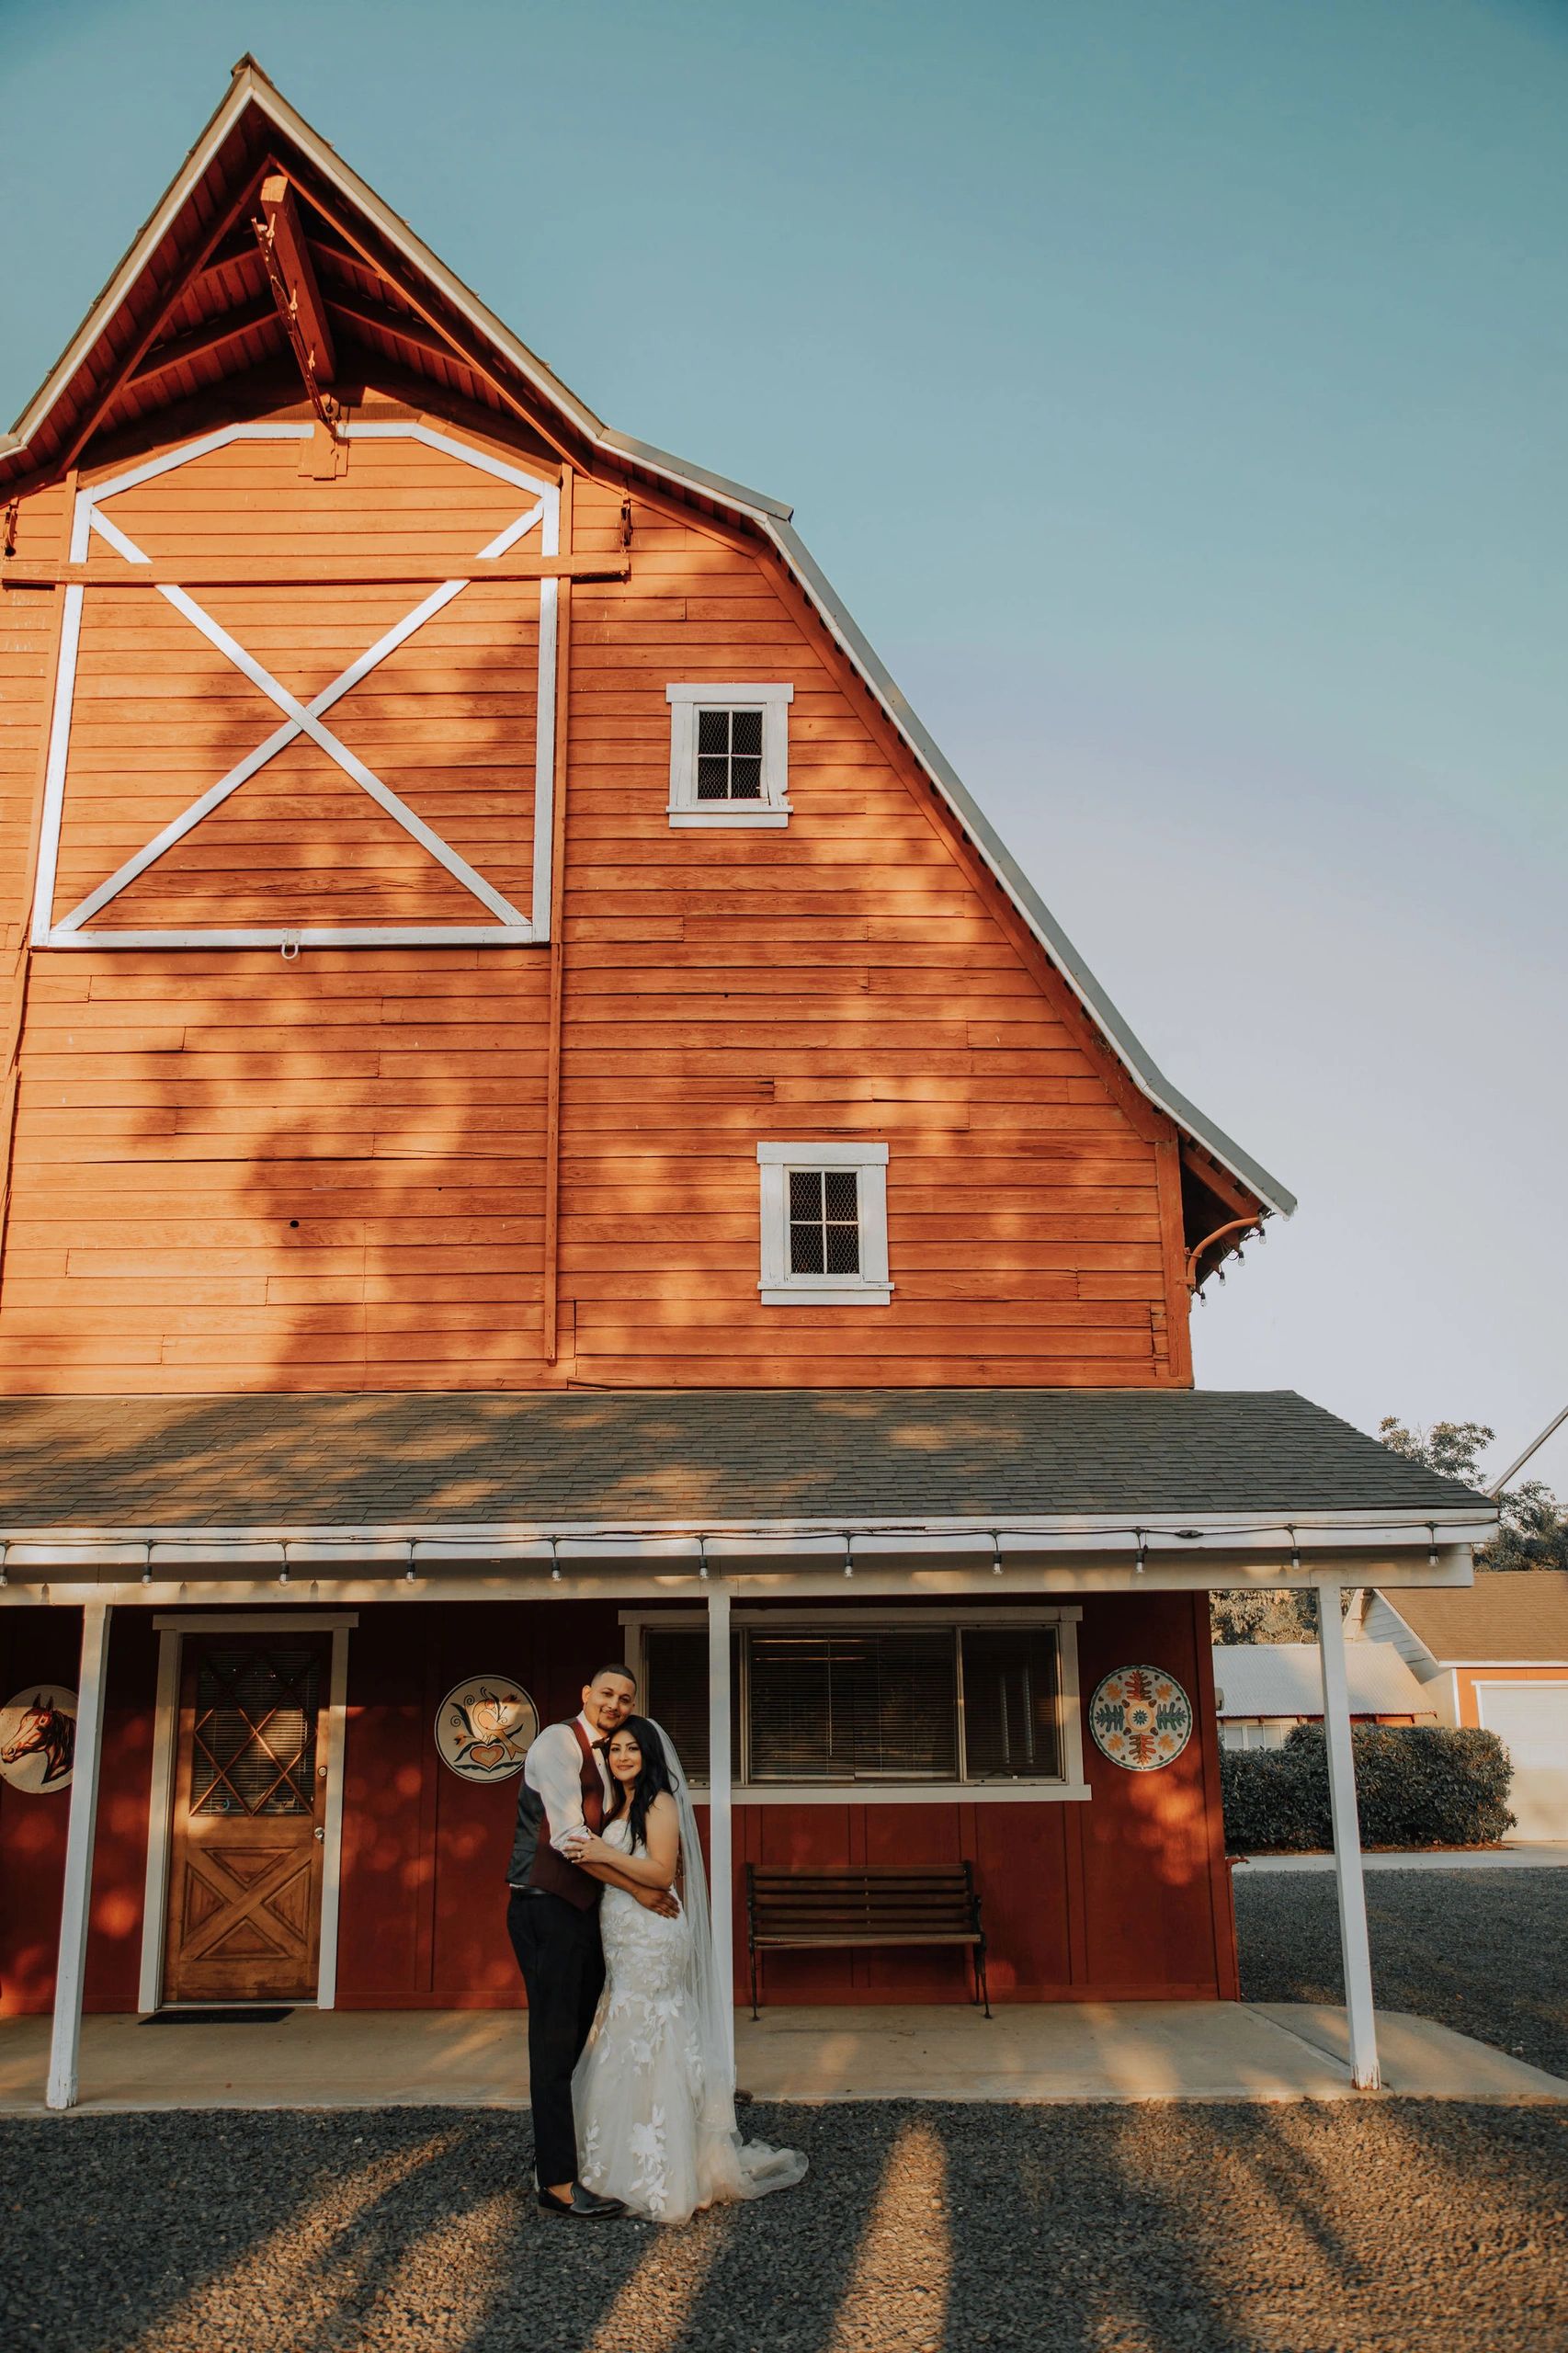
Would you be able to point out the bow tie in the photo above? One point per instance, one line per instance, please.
(601, 1748)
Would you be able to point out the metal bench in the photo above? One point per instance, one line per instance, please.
(793, 1910)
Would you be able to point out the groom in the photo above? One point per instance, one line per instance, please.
(552, 1920)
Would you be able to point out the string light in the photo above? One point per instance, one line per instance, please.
(996, 1553)
(1142, 1551)
(1295, 1553)
(702, 1558)
(554, 1563)
(850, 1556)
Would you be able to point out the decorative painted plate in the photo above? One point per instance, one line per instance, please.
(1141, 1717)
(38, 1738)
(484, 1728)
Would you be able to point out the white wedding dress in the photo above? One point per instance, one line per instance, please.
(655, 2104)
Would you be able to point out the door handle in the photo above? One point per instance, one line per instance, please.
(321, 1835)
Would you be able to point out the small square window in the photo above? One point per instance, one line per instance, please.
(824, 1227)
(729, 755)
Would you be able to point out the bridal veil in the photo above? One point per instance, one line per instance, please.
(728, 2167)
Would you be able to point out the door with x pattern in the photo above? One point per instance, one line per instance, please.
(248, 1819)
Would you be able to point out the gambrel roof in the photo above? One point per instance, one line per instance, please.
(189, 307)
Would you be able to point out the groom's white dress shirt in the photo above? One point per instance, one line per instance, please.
(553, 1771)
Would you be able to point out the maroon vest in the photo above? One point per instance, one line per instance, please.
(550, 1870)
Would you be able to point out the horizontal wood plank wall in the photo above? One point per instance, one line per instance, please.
(234, 1173)
(840, 978)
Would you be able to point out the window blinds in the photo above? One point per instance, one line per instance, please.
(877, 1705)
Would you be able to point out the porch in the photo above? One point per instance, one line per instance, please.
(956, 1574)
(1034, 2052)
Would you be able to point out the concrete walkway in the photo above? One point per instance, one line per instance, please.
(1545, 1854)
(1054, 2051)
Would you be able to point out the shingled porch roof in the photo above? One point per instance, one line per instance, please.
(694, 1457)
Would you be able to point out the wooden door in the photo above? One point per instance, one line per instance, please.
(249, 1809)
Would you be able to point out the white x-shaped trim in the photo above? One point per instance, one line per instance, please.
(511, 926)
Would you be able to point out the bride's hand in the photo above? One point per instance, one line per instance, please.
(583, 1847)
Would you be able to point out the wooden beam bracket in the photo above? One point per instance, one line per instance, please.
(286, 256)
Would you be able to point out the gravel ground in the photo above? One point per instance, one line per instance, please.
(1156, 2229)
(1483, 1951)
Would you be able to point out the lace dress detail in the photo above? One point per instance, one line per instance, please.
(650, 2129)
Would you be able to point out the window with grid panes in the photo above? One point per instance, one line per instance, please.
(254, 1748)
(865, 1704)
(729, 755)
(824, 1221)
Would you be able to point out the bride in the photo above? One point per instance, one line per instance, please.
(653, 2092)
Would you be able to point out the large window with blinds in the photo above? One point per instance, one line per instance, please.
(850, 1703)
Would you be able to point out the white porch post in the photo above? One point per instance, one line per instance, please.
(1355, 1950)
(65, 2041)
(721, 1849)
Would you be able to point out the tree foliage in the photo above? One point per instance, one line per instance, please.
(1534, 1533)
(1266, 1614)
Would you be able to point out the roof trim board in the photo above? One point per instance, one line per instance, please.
(770, 518)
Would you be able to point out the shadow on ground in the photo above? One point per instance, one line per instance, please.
(1094, 2230)
(1485, 1952)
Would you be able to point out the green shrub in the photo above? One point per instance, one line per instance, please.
(1416, 1785)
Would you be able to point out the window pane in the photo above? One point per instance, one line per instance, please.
(842, 1250)
(254, 1742)
(712, 779)
(805, 1192)
(841, 1190)
(805, 1250)
(712, 730)
(746, 779)
(746, 731)
(1010, 1706)
(675, 1693)
(877, 1705)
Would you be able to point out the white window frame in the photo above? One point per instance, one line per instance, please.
(1070, 1788)
(778, 1286)
(775, 806)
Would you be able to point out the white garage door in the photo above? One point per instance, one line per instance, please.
(1532, 1718)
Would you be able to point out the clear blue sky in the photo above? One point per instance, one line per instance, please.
(1177, 396)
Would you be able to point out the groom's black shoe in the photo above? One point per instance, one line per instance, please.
(583, 2206)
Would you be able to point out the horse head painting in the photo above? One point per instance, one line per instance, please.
(44, 1730)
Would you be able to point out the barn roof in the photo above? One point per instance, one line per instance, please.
(189, 308)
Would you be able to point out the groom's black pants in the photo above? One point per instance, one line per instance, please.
(562, 1963)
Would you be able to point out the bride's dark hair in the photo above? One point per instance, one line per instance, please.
(653, 1780)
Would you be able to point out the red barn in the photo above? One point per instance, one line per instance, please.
(542, 1124)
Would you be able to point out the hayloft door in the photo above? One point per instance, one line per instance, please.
(248, 1819)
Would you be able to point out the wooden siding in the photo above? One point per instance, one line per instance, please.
(1124, 1897)
(230, 1172)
